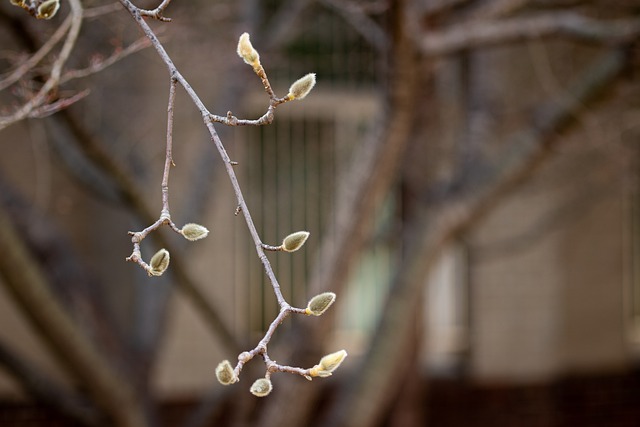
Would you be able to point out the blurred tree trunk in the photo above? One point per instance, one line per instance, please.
(26, 284)
(366, 398)
(372, 176)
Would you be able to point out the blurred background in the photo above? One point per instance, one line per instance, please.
(468, 171)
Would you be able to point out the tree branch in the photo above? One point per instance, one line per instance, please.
(46, 389)
(28, 287)
(441, 225)
(56, 70)
(491, 32)
(299, 89)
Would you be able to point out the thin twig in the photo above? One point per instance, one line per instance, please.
(569, 24)
(157, 12)
(165, 214)
(100, 65)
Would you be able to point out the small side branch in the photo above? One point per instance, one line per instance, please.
(160, 261)
(39, 99)
(486, 33)
(225, 373)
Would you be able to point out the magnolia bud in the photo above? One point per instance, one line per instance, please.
(246, 50)
(294, 241)
(194, 232)
(328, 364)
(48, 9)
(301, 87)
(319, 304)
(261, 387)
(225, 373)
(159, 262)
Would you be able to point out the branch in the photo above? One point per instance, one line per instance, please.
(487, 33)
(157, 13)
(133, 197)
(99, 65)
(441, 225)
(355, 15)
(28, 287)
(56, 70)
(159, 262)
(34, 59)
(45, 389)
(362, 192)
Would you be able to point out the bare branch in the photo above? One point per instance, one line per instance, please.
(27, 286)
(102, 64)
(355, 15)
(165, 214)
(56, 70)
(94, 12)
(46, 389)
(157, 12)
(34, 59)
(441, 224)
(298, 90)
(53, 107)
(486, 33)
(132, 195)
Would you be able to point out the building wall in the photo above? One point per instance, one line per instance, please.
(548, 279)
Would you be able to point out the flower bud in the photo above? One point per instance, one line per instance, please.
(320, 303)
(159, 262)
(301, 87)
(294, 241)
(225, 373)
(194, 232)
(246, 50)
(17, 2)
(48, 9)
(328, 364)
(261, 387)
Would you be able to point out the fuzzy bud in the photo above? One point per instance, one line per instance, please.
(261, 387)
(320, 303)
(48, 9)
(328, 364)
(225, 373)
(17, 2)
(301, 87)
(246, 50)
(294, 241)
(194, 232)
(159, 262)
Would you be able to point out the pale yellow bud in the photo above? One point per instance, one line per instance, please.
(17, 2)
(301, 87)
(48, 9)
(194, 232)
(261, 387)
(320, 303)
(328, 364)
(246, 50)
(159, 262)
(294, 241)
(225, 373)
